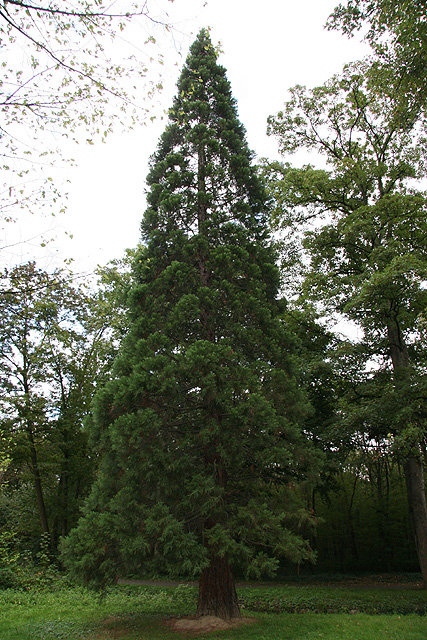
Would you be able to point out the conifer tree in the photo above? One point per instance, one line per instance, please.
(198, 429)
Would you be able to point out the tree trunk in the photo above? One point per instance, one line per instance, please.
(64, 484)
(413, 466)
(415, 488)
(29, 428)
(217, 590)
(34, 466)
(39, 496)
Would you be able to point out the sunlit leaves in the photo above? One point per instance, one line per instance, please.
(62, 74)
(397, 33)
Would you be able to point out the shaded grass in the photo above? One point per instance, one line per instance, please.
(337, 599)
(334, 627)
(138, 612)
(77, 614)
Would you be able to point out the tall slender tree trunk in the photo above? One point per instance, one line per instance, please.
(202, 209)
(64, 489)
(61, 524)
(38, 484)
(415, 488)
(413, 464)
(217, 589)
(34, 464)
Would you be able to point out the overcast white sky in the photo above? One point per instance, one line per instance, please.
(268, 47)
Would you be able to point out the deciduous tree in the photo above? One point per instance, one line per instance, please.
(366, 245)
(58, 339)
(397, 33)
(68, 70)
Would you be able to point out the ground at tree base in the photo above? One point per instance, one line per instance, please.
(192, 625)
(189, 626)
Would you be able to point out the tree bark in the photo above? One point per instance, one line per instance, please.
(413, 464)
(38, 484)
(34, 464)
(415, 488)
(217, 590)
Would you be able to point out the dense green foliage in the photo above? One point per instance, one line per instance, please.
(373, 514)
(58, 340)
(198, 428)
(207, 441)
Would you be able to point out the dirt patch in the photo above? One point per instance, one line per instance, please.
(205, 624)
(110, 629)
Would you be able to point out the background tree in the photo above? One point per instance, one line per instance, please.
(391, 27)
(360, 500)
(366, 246)
(198, 429)
(67, 70)
(363, 515)
(58, 340)
(397, 32)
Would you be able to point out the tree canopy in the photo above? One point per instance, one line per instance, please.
(366, 247)
(58, 338)
(397, 33)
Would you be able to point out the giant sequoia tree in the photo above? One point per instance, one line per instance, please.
(198, 429)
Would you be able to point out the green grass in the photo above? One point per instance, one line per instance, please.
(138, 613)
(350, 600)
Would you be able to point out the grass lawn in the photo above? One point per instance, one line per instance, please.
(139, 613)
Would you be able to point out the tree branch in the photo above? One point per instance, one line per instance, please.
(78, 14)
